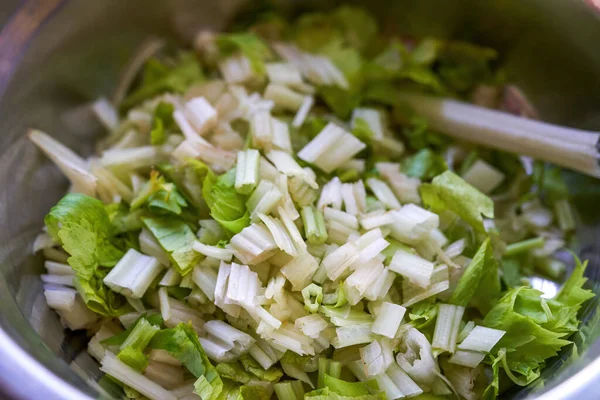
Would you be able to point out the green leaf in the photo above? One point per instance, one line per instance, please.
(425, 164)
(479, 284)
(182, 343)
(449, 191)
(189, 179)
(249, 45)
(424, 77)
(362, 130)
(343, 101)
(313, 30)
(253, 393)
(179, 293)
(416, 131)
(272, 374)
(98, 297)
(426, 51)
(234, 372)
(159, 196)
(81, 224)
(162, 121)
(550, 182)
(570, 299)
(341, 390)
(572, 294)
(123, 219)
(133, 357)
(423, 314)
(227, 206)
(491, 392)
(462, 65)
(511, 271)
(527, 341)
(118, 339)
(358, 26)
(177, 239)
(351, 389)
(159, 78)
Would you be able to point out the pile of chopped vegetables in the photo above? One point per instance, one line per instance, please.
(267, 219)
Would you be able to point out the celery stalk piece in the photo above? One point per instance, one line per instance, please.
(314, 225)
(247, 171)
(133, 274)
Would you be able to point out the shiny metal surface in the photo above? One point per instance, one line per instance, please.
(56, 55)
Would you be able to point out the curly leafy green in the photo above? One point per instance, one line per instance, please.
(176, 238)
(425, 164)
(81, 224)
(449, 191)
(162, 122)
(227, 206)
(536, 328)
(479, 284)
(159, 78)
(249, 45)
(182, 343)
(159, 196)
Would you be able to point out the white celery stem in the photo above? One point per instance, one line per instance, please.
(124, 373)
(570, 148)
(247, 171)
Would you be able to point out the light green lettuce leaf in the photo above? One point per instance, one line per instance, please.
(349, 26)
(81, 224)
(362, 130)
(480, 284)
(159, 78)
(462, 65)
(569, 300)
(572, 293)
(176, 238)
(231, 391)
(272, 374)
(550, 182)
(426, 51)
(313, 30)
(159, 196)
(449, 191)
(358, 27)
(227, 206)
(118, 339)
(249, 45)
(350, 63)
(234, 372)
(423, 314)
(341, 390)
(491, 391)
(162, 122)
(352, 389)
(182, 343)
(98, 297)
(253, 393)
(528, 344)
(189, 179)
(425, 164)
(135, 358)
(123, 219)
(395, 66)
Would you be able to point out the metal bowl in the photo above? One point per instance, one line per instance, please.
(56, 55)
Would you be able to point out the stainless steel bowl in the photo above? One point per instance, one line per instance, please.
(56, 55)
